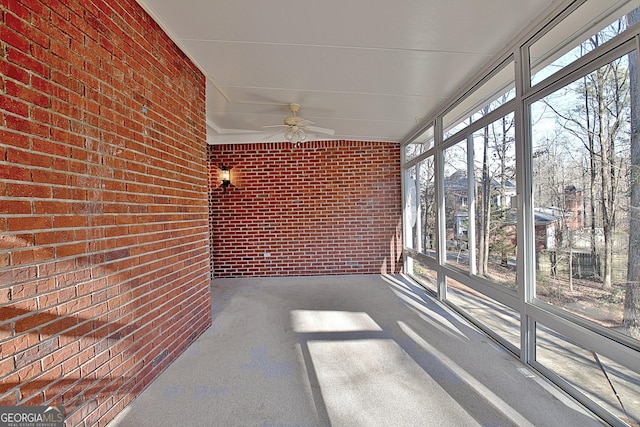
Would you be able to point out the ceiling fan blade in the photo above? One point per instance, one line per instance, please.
(271, 135)
(316, 129)
(275, 126)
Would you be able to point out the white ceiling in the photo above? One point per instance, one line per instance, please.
(370, 69)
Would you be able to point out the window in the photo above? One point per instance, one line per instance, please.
(421, 144)
(582, 188)
(421, 208)
(496, 91)
(596, 22)
(495, 182)
(538, 207)
(456, 189)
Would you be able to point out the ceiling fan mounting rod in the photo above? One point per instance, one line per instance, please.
(294, 107)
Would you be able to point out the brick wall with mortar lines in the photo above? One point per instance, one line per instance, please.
(323, 207)
(104, 239)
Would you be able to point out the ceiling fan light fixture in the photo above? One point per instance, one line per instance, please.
(296, 125)
(289, 134)
(295, 134)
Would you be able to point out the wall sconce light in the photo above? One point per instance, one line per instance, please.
(225, 178)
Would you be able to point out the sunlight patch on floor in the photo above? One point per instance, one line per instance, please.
(310, 321)
(358, 379)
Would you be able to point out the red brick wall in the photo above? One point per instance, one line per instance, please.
(104, 257)
(324, 207)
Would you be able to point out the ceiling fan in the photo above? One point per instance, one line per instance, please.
(297, 127)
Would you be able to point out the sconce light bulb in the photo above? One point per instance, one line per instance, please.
(225, 178)
(289, 134)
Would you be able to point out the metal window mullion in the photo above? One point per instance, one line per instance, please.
(403, 195)
(525, 226)
(440, 214)
(418, 184)
(471, 207)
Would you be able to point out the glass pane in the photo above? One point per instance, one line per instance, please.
(495, 188)
(598, 21)
(411, 183)
(612, 386)
(583, 203)
(496, 91)
(420, 209)
(426, 276)
(456, 202)
(502, 320)
(427, 221)
(420, 145)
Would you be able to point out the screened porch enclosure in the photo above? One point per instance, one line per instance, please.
(522, 198)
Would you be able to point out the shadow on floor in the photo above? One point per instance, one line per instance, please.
(364, 350)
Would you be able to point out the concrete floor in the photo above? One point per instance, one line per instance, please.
(365, 350)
